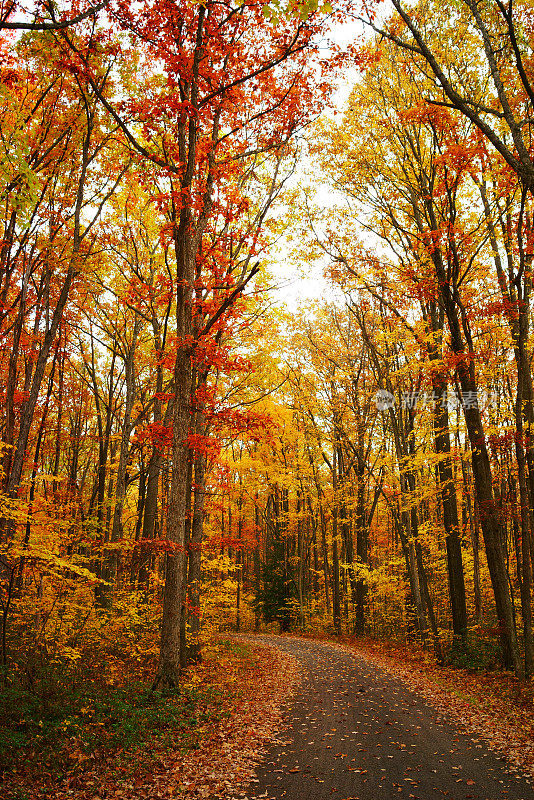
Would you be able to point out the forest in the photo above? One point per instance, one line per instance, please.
(184, 456)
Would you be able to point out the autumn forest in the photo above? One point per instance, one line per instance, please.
(184, 457)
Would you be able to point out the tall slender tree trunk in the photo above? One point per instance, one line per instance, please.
(168, 674)
(336, 588)
(455, 570)
(482, 475)
(362, 544)
(524, 565)
(195, 554)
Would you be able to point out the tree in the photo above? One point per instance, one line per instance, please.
(414, 180)
(217, 105)
(499, 38)
(57, 20)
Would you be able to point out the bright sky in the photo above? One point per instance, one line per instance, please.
(307, 283)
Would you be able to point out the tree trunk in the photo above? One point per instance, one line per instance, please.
(195, 556)
(523, 566)
(168, 674)
(449, 504)
(482, 476)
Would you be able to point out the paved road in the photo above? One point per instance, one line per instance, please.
(354, 732)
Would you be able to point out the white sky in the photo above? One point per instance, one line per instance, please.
(306, 283)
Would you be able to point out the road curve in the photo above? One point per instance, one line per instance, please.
(355, 732)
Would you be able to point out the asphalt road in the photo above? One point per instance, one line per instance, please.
(354, 732)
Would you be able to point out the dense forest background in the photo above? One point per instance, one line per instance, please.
(180, 454)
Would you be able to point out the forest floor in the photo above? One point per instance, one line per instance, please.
(315, 718)
(124, 742)
(363, 725)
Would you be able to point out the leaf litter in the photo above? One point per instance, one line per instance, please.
(255, 692)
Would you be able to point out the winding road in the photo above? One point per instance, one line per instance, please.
(355, 732)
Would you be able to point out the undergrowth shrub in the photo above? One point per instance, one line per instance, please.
(480, 651)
